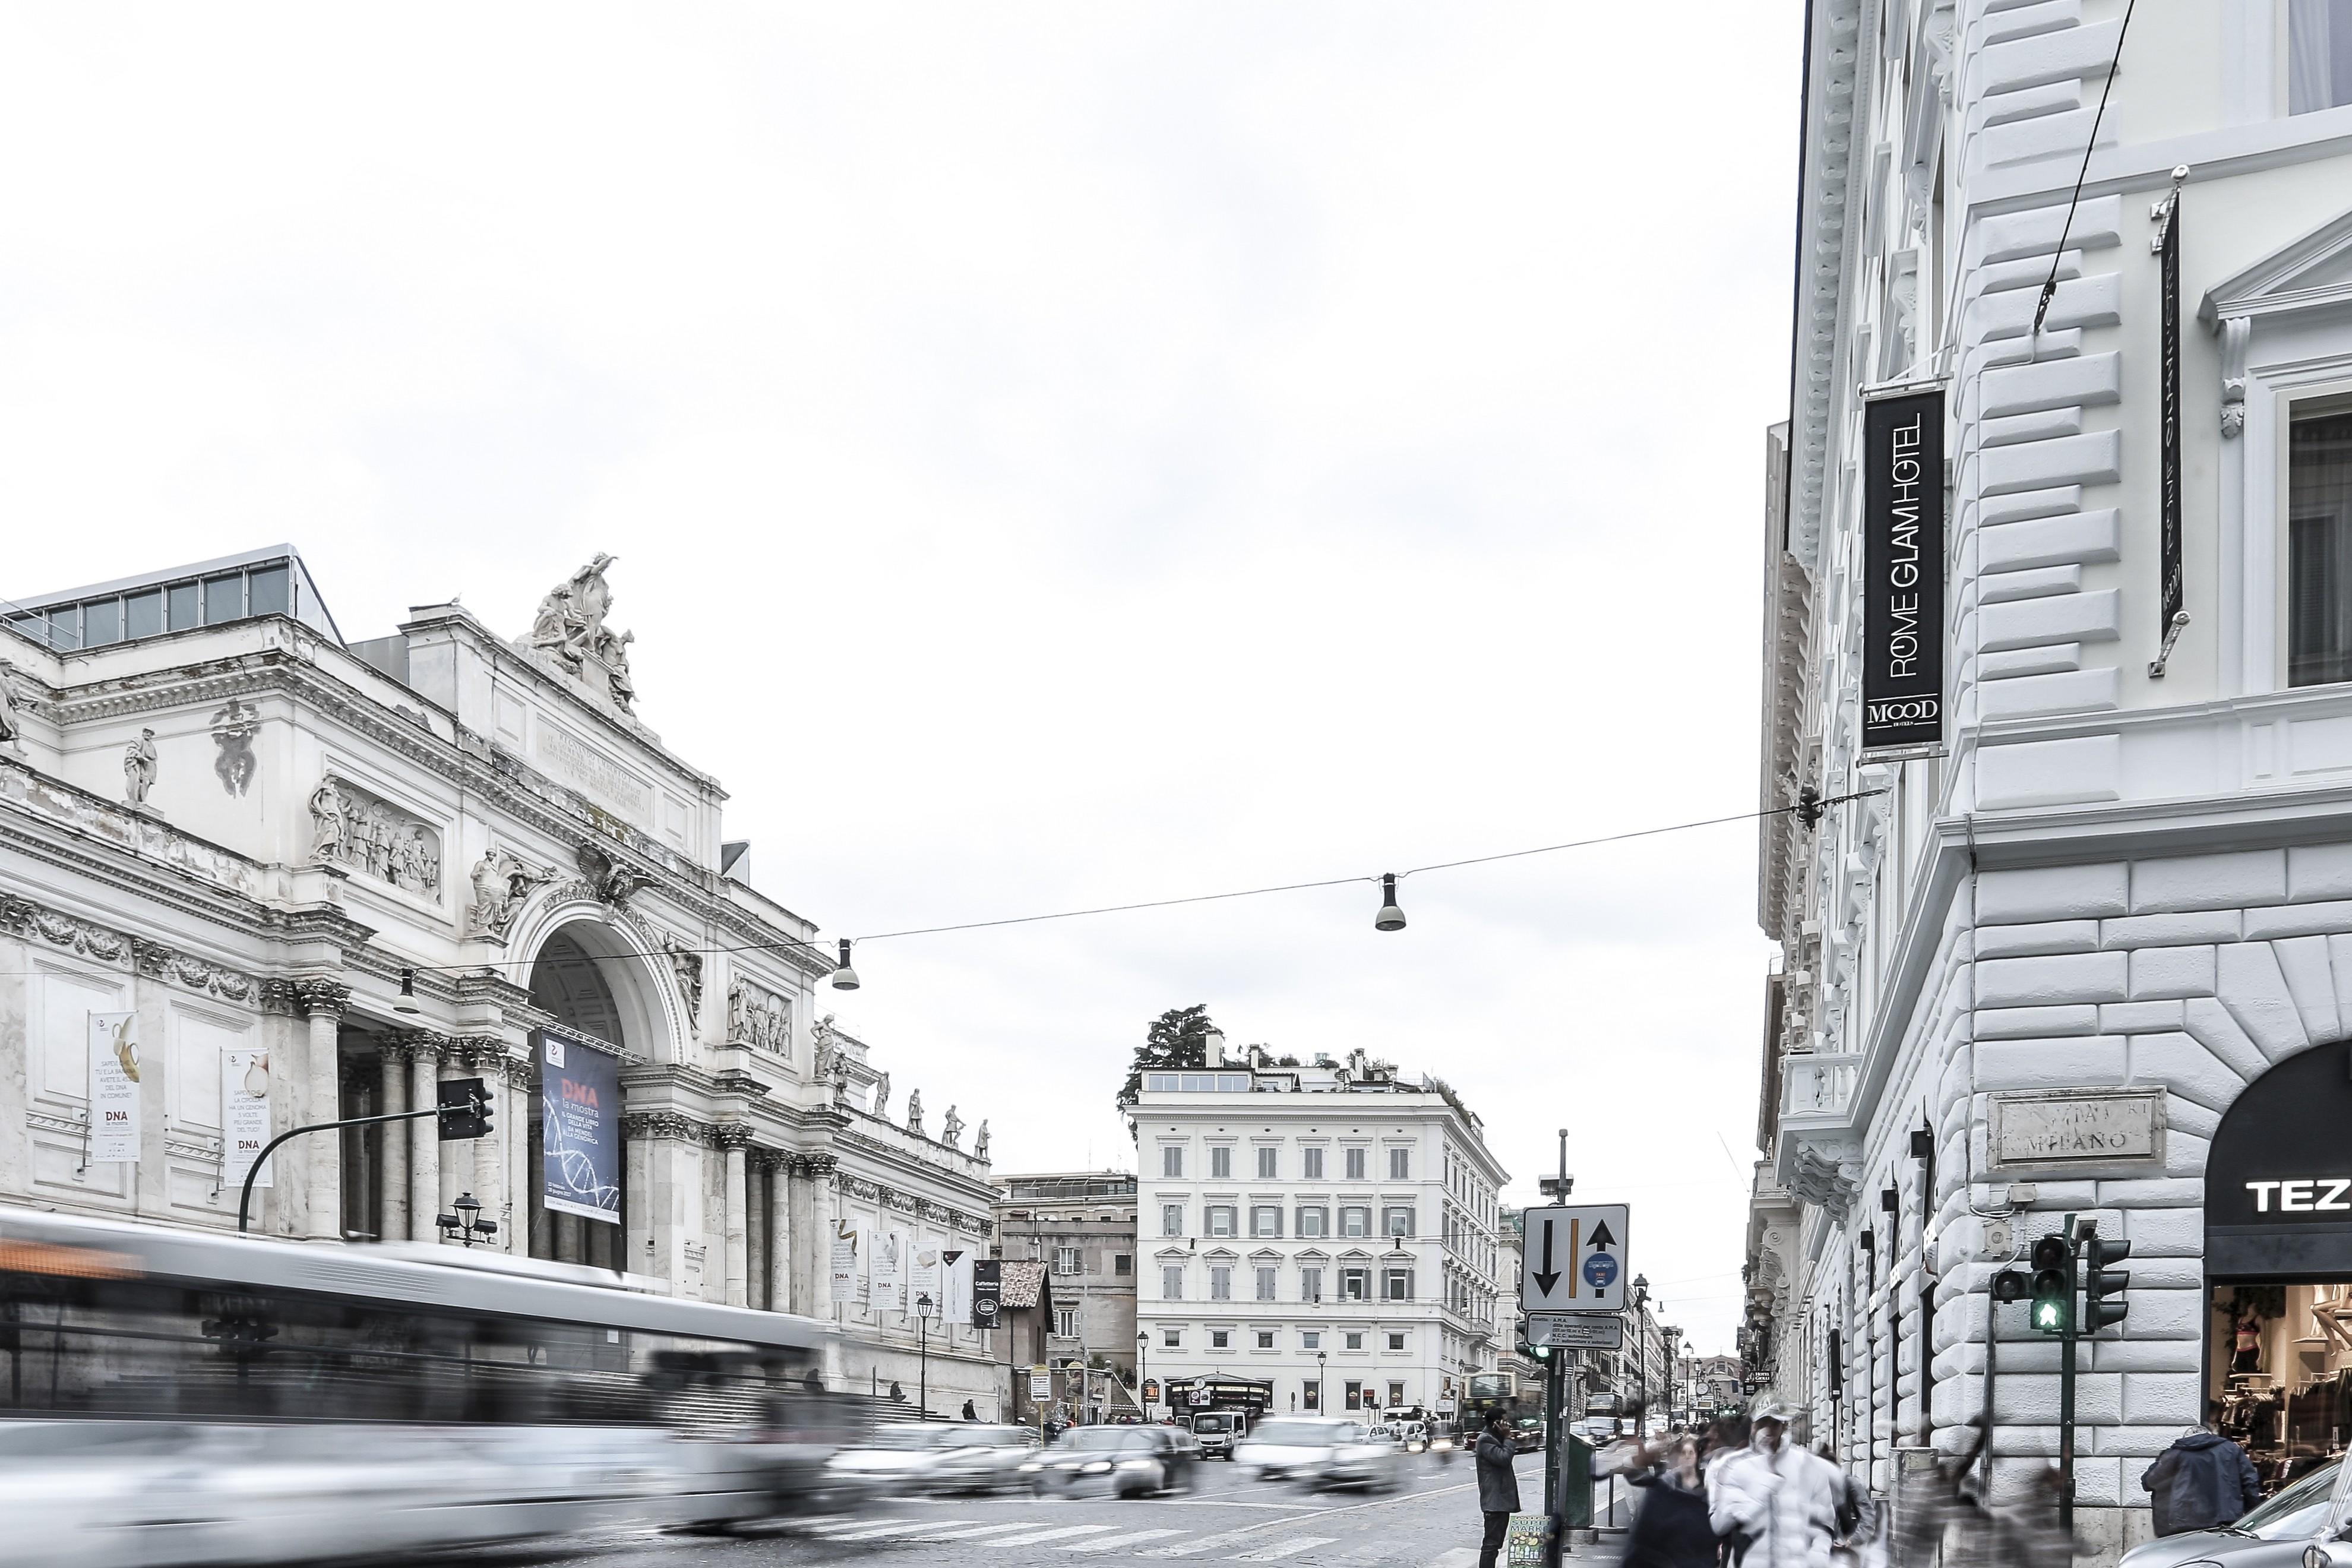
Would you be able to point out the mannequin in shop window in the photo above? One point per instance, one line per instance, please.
(2249, 1357)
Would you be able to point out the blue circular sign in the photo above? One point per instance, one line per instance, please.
(1600, 1271)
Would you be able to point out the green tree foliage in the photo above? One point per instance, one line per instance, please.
(1177, 1038)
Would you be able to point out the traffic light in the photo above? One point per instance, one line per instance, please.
(464, 1109)
(2053, 1286)
(2011, 1285)
(1540, 1355)
(2103, 1288)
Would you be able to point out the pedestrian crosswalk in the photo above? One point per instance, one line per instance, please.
(1260, 1543)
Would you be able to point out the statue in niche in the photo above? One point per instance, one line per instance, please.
(980, 1141)
(738, 1022)
(12, 721)
(139, 770)
(882, 1096)
(329, 821)
(687, 965)
(915, 1111)
(951, 1128)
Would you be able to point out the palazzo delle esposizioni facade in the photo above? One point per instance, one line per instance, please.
(219, 817)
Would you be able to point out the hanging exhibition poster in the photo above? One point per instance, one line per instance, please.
(580, 1126)
(923, 1289)
(955, 1284)
(245, 1117)
(889, 1257)
(113, 1087)
(846, 1275)
(987, 1292)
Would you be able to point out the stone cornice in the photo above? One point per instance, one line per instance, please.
(1836, 99)
(27, 920)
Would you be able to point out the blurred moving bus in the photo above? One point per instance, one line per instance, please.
(173, 1397)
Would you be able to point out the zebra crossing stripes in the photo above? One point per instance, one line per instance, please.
(973, 1532)
(1063, 1533)
(1282, 1549)
(881, 1528)
(1137, 1539)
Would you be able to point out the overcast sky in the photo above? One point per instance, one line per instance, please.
(1056, 455)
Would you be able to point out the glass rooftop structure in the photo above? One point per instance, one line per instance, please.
(271, 581)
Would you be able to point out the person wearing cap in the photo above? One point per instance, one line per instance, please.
(1779, 1500)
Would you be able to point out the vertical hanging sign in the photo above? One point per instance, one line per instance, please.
(113, 1087)
(579, 1127)
(245, 1116)
(2170, 615)
(1902, 574)
(844, 1264)
(987, 1292)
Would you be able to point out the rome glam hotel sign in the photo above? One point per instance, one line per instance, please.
(1902, 573)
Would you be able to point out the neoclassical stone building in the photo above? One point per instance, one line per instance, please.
(2088, 952)
(220, 816)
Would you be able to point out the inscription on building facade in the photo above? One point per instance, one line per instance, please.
(2076, 1127)
(591, 773)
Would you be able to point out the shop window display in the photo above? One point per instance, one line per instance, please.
(2281, 1372)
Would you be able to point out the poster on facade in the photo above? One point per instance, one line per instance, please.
(113, 1087)
(245, 1117)
(923, 1288)
(890, 1259)
(846, 1276)
(580, 1126)
(1902, 573)
(955, 1284)
(987, 1292)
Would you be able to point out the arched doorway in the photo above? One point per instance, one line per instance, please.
(2278, 1264)
(585, 976)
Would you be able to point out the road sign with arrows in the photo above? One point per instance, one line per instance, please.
(1574, 1259)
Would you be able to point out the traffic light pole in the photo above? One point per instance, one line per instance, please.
(245, 1198)
(2067, 1394)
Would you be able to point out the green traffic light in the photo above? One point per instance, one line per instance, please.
(2048, 1316)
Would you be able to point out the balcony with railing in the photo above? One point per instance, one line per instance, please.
(1817, 1089)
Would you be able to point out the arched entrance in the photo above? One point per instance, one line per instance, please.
(588, 977)
(2278, 1264)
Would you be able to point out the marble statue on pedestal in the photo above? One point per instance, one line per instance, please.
(139, 770)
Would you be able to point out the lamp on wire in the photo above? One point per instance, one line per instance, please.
(406, 1001)
(844, 978)
(1391, 917)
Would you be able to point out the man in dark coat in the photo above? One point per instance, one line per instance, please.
(1498, 1485)
(2201, 1481)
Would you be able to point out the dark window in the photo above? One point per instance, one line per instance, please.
(182, 597)
(2319, 547)
(1122, 1264)
(143, 614)
(272, 592)
(65, 626)
(224, 598)
(101, 623)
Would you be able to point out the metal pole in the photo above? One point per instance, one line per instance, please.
(2067, 1396)
(923, 1355)
(245, 1197)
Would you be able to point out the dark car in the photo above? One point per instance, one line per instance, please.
(1124, 1461)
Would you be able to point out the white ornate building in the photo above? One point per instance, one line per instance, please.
(218, 816)
(1332, 1229)
(2095, 958)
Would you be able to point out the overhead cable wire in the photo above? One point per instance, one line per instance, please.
(2049, 285)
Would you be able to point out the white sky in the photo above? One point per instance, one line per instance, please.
(1057, 454)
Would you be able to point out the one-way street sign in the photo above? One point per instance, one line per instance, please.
(1573, 1259)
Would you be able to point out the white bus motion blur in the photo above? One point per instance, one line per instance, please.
(176, 1398)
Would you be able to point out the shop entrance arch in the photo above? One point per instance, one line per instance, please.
(2278, 1264)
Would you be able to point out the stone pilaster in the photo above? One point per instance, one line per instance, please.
(424, 1138)
(734, 1143)
(779, 1232)
(392, 1061)
(323, 1160)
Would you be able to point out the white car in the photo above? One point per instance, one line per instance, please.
(909, 1458)
(1319, 1451)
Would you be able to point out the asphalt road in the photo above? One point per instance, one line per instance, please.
(1430, 1520)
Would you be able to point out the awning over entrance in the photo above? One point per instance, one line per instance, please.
(1219, 1391)
(2278, 1179)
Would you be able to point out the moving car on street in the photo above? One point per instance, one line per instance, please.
(1124, 1461)
(1218, 1431)
(1321, 1451)
(913, 1459)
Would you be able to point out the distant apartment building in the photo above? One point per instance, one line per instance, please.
(1314, 1237)
(1081, 1226)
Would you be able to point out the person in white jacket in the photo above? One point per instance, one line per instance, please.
(1775, 1499)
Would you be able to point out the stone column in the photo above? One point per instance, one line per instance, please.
(780, 1233)
(755, 1227)
(734, 1141)
(424, 1139)
(516, 1122)
(323, 1001)
(484, 1167)
(811, 1224)
(391, 1059)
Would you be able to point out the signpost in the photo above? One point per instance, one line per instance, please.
(1574, 1259)
(1572, 1279)
(1576, 1330)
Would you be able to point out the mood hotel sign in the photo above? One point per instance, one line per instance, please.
(1903, 572)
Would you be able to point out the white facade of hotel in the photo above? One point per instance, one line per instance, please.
(1333, 1211)
(2115, 880)
(218, 815)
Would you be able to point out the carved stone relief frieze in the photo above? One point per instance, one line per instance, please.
(501, 882)
(233, 728)
(160, 963)
(370, 837)
(23, 918)
(758, 1017)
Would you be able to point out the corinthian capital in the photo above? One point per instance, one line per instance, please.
(323, 999)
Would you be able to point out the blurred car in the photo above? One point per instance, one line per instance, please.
(2299, 1525)
(1321, 1451)
(918, 1458)
(1124, 1461)
(1218, 1431)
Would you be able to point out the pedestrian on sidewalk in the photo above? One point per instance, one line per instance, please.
(1498, 1485)
(1671, 1529)
(2201, 1481)
(1777, 1503)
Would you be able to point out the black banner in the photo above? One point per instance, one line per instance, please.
(1903, 571)
(987, 1293)
(2168, 567)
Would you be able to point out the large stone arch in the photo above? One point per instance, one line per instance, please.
(627, 956)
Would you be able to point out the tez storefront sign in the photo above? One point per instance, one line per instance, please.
(1903, 572)
(2278, 1178)
(580, 1127)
